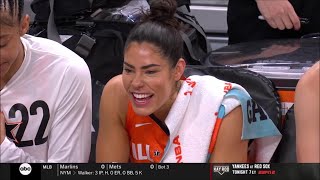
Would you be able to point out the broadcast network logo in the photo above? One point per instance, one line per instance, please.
(221, 169)
(25, 169)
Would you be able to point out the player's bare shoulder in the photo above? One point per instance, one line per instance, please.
(114, 98)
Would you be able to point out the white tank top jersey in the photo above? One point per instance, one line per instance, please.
(47, 106)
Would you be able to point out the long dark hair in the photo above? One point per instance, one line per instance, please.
(160, 28)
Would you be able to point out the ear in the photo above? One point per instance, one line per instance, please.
(179, 69)
(24, 25)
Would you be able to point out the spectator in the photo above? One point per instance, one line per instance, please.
(282, 19)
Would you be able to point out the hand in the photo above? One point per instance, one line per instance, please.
(2, 128)
(279, 14)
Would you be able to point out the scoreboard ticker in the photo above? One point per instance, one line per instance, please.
(110, 171)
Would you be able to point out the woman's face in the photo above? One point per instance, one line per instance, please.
(149, 79)
(11, 49)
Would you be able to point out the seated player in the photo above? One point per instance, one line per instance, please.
(45, 95)
(151, 114)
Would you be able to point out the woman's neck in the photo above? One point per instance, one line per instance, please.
(164, 110)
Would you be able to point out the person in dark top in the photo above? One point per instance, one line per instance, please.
(252, 20)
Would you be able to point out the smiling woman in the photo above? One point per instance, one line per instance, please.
(151, 113)
(151, 83)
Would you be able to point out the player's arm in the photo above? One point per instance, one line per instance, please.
(229, 147)
(70, 136)
(113, 141)
(307, 119)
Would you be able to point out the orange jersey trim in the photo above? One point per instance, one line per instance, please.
(215, 135)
